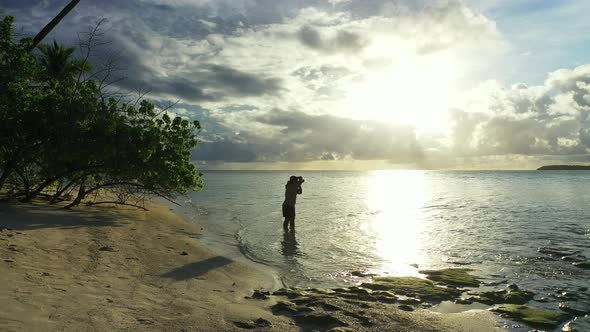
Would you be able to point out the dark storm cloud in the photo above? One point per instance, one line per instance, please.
(342, 41)
(226, 151)
(240, 82)
(130, 27)
(304, 137)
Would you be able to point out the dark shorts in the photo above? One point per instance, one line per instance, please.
(288, 211)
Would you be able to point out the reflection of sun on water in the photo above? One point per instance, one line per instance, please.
(397, 197)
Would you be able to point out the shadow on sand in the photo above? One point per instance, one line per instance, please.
(197, 269)
(22, 217)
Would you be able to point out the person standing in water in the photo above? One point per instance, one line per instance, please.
(292, 189)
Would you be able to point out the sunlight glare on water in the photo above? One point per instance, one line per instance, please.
(349, 224)
(397, 198)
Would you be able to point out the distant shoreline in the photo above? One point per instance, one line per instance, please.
(563, 167)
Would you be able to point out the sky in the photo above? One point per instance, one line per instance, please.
(351, 84)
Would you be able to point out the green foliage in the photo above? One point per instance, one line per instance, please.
(56, 61)
(58, 134)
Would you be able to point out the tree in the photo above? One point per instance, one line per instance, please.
(57, 61)
(60, 135)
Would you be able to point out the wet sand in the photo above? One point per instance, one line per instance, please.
(118, 268)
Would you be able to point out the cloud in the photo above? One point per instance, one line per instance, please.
(273, 80)
(341, 41)
(280, 135)
(551, 119)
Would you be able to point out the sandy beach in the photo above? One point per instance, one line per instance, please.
(114, 268)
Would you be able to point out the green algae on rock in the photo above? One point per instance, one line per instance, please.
(412, 286)
(535, 317)
(519, 297)
(452, 277)
(502, 296)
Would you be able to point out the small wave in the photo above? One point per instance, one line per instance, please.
(248, 252)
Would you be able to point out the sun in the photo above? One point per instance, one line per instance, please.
(413, 91)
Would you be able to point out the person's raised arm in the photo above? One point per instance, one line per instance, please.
(299, 190)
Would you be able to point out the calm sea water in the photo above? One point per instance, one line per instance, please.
(512, 226)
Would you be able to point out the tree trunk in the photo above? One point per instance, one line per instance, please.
(26, 185)
(56, 196)
(79, 198)
(42, 186)
(5, 174)
(47, 29)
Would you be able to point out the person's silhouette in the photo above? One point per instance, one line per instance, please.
(292, 189)
(289, 245)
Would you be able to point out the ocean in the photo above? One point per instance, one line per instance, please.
(522, 227)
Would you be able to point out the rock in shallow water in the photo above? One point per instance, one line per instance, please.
(414, 287)
(535, 317)
(579, 324)
(503, 296)
(452, 277)
(405, 307)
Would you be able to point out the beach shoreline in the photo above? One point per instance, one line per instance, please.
(119, 268)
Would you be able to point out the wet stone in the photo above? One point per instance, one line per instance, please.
(495, 283)
(324, 305)
(358, 290)
(452, 277)
(518, 297)
(260, 294)
(261, 322)
(385, 299)
(361, 274)
(290, 307)
(340, 329)
(248, 325)
(405, 307)
(464, 300)
(408, 300)
(358, 303)
(491, 297)
(533, 316)
(320, 319)
(414, 287)
(578, 324)
(281, 292)
(365, 321)
(304, 300)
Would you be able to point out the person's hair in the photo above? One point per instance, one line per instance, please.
(293, 178)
